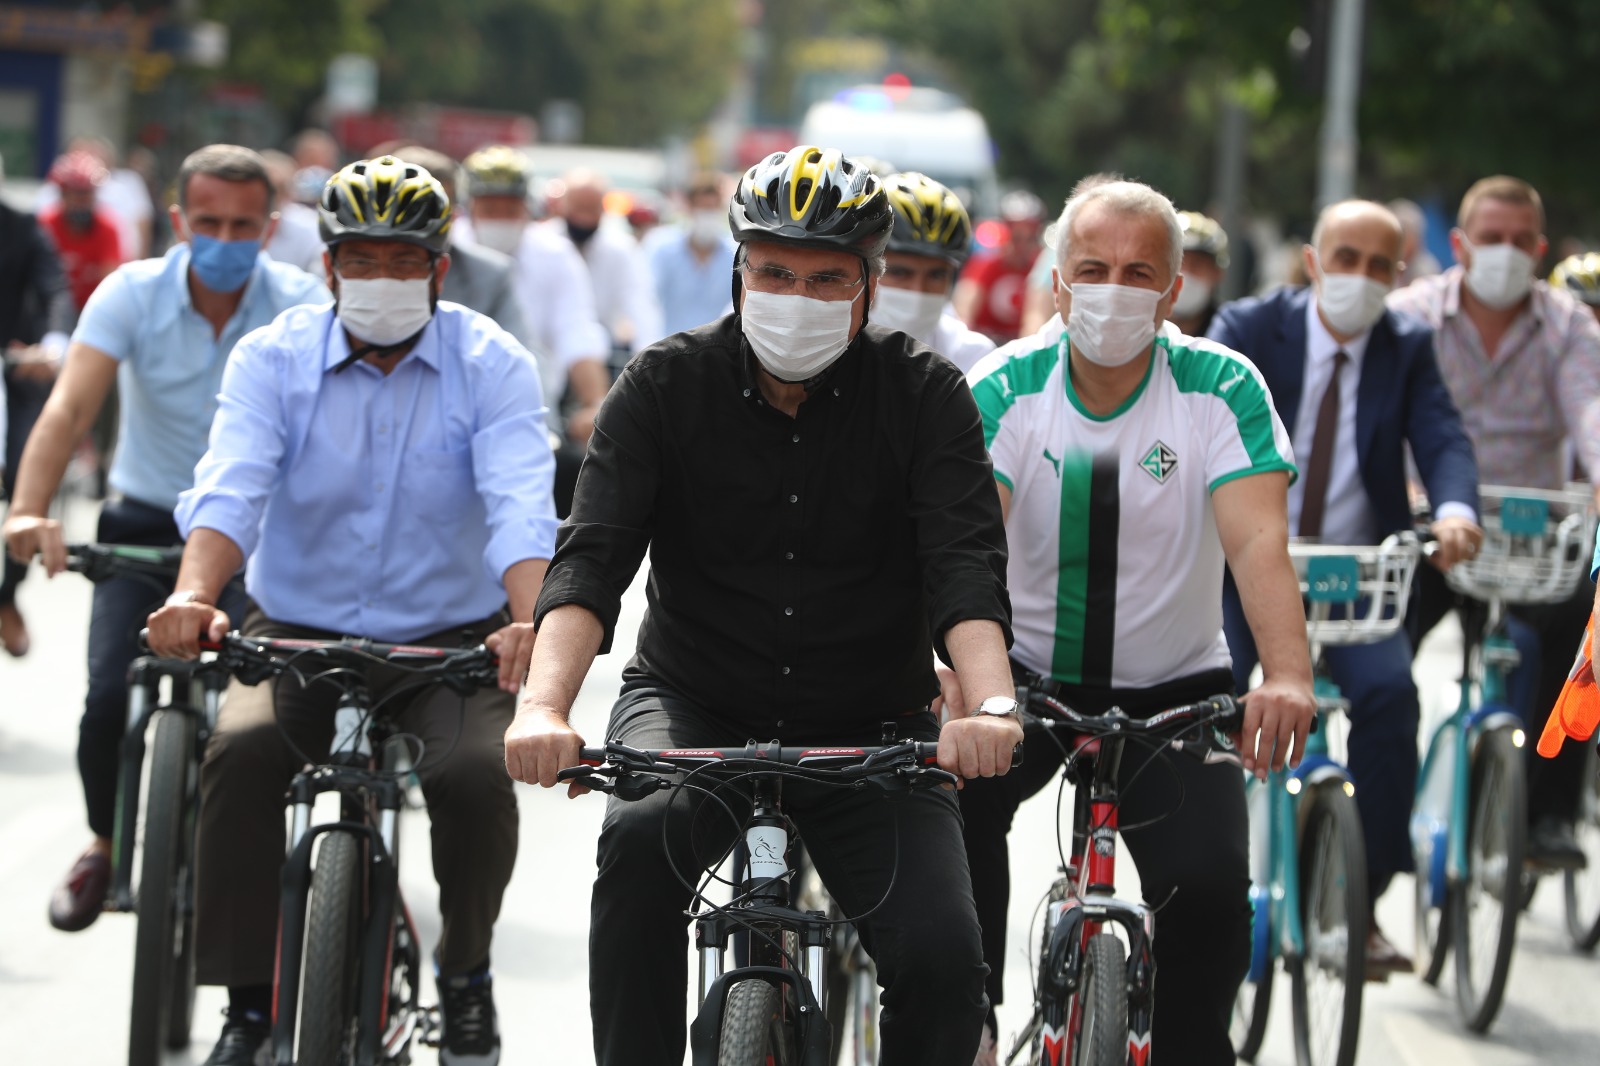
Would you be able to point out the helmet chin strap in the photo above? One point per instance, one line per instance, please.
(360, 353)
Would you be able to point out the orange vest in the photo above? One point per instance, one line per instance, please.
(1577, 709)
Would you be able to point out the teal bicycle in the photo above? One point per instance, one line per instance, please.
(1308, 860)
(1469, 822)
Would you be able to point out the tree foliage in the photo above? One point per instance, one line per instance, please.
(1451, 90)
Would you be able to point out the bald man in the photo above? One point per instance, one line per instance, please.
(619, 271)
(1335, 358)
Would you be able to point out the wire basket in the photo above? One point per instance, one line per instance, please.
(1355, 594)
(1537, 544)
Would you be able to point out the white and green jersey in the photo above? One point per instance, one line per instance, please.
(1115, 565)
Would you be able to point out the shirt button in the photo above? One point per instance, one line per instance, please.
(747, 394)
(788, 610)
(372, 547)
(383, 428)
(788, 555)
(796, 438)
(794, 499)
(779, 723)
(836, 392)
(369, 603)
(785, 671)
(378, 487)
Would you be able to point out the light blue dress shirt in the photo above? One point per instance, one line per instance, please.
(171, 361)
(691, 291)
(383, 506)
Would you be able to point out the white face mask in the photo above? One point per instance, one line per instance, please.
(707, 227)
(384, 311)
(1500, 274)
(909, 311)
(795, 337)
(501, 234)
(1192, 299)
(1112, 325)
(1350, 303)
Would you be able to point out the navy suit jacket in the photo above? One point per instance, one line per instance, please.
(1400, 399)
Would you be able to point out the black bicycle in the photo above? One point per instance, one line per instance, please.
(1094, 991)
(773, 1010)
(349, 968)
(153, 841)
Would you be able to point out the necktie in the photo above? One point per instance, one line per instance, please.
(1315, 500)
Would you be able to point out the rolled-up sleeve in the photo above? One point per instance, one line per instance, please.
(599, 547)
(961, 540)
(241, 466)
(513, 467)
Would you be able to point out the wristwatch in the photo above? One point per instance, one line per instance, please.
(996, 707)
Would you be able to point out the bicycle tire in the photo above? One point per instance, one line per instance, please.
(1252, 1005)
(754, 1032)
(1432, 928)
(327, 1016)
(1582, 887)
(159, 960)
(1492, 888)
(1102, 1038)
(1327, 982)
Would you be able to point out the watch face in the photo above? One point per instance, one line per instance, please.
(998, 705)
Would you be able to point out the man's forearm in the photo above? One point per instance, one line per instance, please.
(210, 559)
(569, 639)
(977, 650)
(522, 581)
(1270, 594)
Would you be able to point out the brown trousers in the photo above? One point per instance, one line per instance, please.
(248, 766)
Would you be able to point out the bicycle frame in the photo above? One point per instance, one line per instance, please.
(205, 686)
(763, 900)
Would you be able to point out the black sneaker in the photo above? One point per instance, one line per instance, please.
(243, 1041)
(1552, 845)
(471, 1030)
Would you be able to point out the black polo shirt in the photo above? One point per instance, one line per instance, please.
(801, 569)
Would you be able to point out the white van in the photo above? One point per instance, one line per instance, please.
(920, 129)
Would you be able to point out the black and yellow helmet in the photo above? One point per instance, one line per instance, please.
(812, 197)
(1204, 235)
(1579, 275)
(929, 219)
(384, 199)
(497, 170)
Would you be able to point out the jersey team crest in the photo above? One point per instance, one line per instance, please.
(1159, 462)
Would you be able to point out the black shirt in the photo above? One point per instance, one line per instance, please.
(802, 569)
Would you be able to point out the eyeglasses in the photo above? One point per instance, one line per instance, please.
(783, 282)
(404, 268)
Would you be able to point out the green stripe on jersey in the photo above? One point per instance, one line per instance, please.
(1072, 574)
(1212, 372)
(1020, 375)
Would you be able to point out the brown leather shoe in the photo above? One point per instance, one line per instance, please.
(13, 631)
(78, 900)
(1383, 958)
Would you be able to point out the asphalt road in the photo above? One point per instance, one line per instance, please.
(66, 996)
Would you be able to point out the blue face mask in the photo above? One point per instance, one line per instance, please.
(222, 266)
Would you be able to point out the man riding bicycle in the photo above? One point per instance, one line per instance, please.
(382, 463)
(161, 329)
(819, 513)
(1132, 462)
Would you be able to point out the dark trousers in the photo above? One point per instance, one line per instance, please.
(1190, 846)
(924, 936)
(249, 763)
(1384, 716)
(1554, 785)
(118, 612)
(24, 399)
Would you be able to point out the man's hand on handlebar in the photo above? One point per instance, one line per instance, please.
(539, 744)
(175, 631)
(979, 746)
(1277, 720)
(1459, 539)
(30, 535)
(514, 645)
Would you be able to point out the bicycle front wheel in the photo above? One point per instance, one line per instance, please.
(1327, 981)
(1583, 886)
(1103, 1004)
(333, 929)
(163, 970)
(754, 1030)
(1489, 898)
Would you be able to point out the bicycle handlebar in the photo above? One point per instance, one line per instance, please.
(98, 562)
(633, 773)
(254, 659)
(1223, 711)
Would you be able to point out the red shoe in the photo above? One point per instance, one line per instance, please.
(78, 900)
